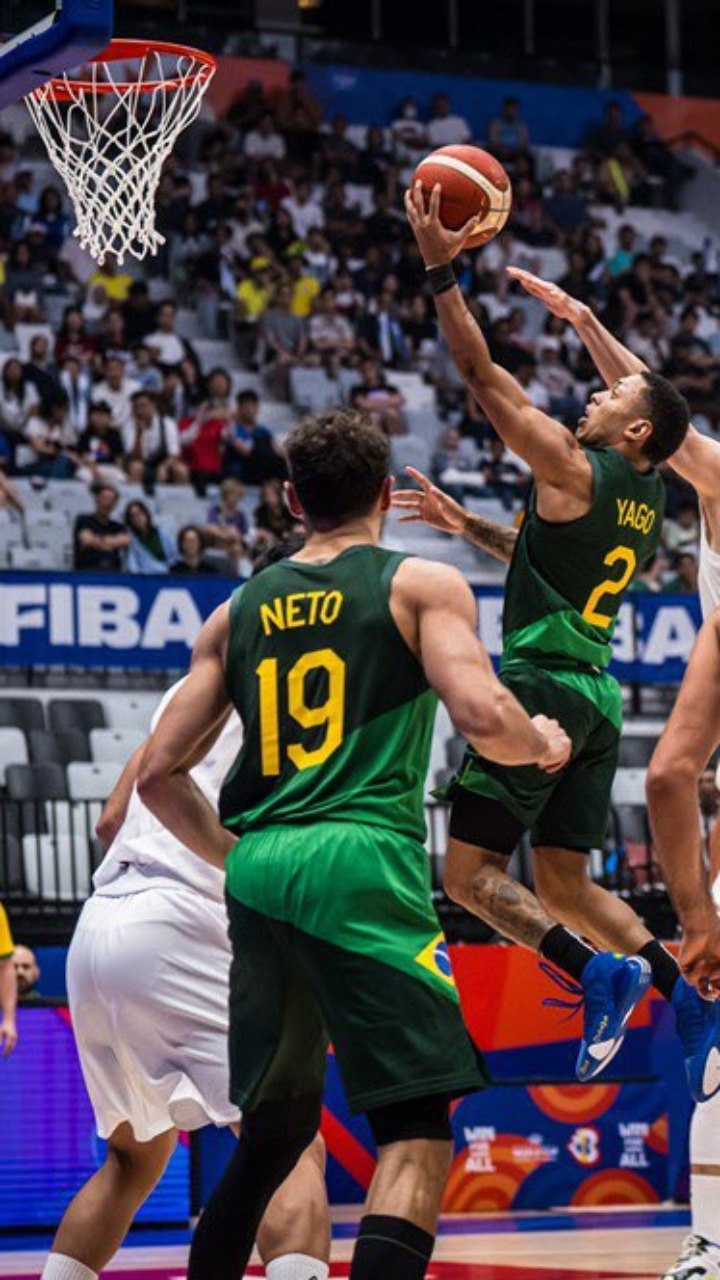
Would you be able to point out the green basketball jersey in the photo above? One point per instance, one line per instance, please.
(567, 581)
(337, 713)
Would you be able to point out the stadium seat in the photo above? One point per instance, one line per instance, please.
(92, 781)
(114, 746)
(311, 390)
(38, 796)
(629, 787)
(40, 557)
(410, 451)
(454, 751)
(12, 880)
(22, 713)
(13, 750)
(58, 748)
(131, 713)
(75, 713)
(636, 751)
(56, 867)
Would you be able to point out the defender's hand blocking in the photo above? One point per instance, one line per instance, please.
(429, 504)
(436, 243)
(559, 747)
(555, 299)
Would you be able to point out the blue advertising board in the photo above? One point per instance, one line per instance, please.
(104, 620)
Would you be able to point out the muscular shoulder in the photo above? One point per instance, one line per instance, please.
(213, 637)
(420, 586)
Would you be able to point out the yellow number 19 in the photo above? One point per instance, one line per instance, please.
(330, 713)
(611, 586)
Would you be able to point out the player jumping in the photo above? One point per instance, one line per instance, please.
(333, 659)
(594, 517)
(148, 989)
(681, 754)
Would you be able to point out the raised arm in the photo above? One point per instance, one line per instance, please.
(184, 734)
(437, 509)
(436, 611)
(698, 458)
(548, 448)
(691, 734)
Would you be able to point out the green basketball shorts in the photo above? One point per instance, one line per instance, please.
(493, 804)
(335, 939)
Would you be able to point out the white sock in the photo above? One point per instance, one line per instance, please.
(296, 1266)
(60, 1267)
(705, 1189)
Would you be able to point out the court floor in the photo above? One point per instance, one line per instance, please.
(599, 1245)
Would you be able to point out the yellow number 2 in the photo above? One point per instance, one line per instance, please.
(330, 713)
(611, 586)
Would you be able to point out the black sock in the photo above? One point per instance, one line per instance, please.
(665, 969)
(272, 1139)
(567, 951)
(391, 1247)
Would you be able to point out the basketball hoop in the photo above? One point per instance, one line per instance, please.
(110, 132)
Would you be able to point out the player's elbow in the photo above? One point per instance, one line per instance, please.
(152, 779)
(669, 775)
(484, 721)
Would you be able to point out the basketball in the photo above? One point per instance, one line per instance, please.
(473, 183)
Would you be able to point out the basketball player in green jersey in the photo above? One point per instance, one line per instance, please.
(594, 517)
(333, 659)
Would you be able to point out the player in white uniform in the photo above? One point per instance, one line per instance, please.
(147, 977)
(698, 462)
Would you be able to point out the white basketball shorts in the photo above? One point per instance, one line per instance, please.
(147, 980)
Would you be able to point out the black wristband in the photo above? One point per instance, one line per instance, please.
(441, 278)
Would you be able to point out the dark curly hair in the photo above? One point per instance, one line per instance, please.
(339, 461)
(669, 414)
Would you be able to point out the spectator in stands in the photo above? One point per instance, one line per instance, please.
(658, 160)
(566, 208)
(192, 554)
(112, 340)
(603, 139)
(272, 516)
(454, 453)
(508, 134)
(117, 389)
(623, 257)
(146, 374)
(138, 313)
(318, 258)
(73, 339)
(503, 477)
(23, 292)
(245, 111)
(445, 129)
(331, 333)
(409, 134)
(685, 579)
(264, 142)
(100, 449)
(205, 430)
(151, 549)
(622, 178)
(152, 444)
(18, 399)
(253, 454)
(653, 575)
(646, 340)
(168, 349)
(558, 382)
(99, 541)
(27, 975)
(252, 298)
(381, 334)
(338, 153)
(304, 285)
(377, 397)
(116, 284)
(50, 437)
(285, 339)
(385, 225)
(227, 525)
(40, 370)
(682, 532)
(533, 386)
(8, 988)
(297, 102)
(375, 162)
(51, 218)
(420, 330)
(304, 209)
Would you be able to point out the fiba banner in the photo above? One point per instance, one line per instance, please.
(93, 620)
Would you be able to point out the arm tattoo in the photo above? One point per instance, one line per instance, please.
(497, 539)
(508, 906)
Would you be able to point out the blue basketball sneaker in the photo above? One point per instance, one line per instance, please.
(698, 1026)
(612, 987)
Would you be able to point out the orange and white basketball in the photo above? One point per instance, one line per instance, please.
(473, 183)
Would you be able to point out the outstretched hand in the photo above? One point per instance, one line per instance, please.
(555, 299)
(437, 244)
(429, 505)
(699, 955)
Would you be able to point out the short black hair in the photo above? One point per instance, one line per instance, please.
(247, 393)
(280, 550)
(339, 461)
(669, 414)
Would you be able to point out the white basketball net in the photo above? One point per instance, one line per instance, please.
(110, 143)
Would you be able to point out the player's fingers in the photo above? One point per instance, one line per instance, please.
(434, 209)
(409, 519)
(406, 504)
(419, 199)
(410, 209)
(425, 484)
(473, 224)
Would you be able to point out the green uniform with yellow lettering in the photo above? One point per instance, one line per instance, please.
(565, 586)
(331, 919)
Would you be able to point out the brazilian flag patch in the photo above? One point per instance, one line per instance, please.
(434, 957)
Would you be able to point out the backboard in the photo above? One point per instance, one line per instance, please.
(45, 37)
